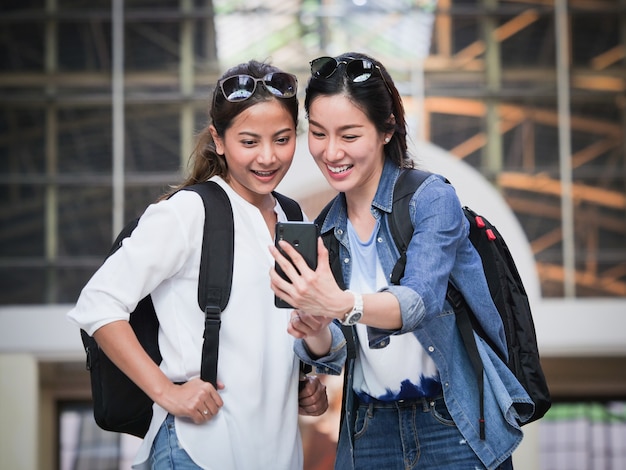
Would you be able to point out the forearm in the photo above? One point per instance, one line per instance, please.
(319, 345)
(331, 363)
(119, 343)
(380, 310)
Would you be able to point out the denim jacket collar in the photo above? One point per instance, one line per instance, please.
(383, 199)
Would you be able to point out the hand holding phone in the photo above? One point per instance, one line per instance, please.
(303, 237)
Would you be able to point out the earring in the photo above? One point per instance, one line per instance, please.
(387, 140)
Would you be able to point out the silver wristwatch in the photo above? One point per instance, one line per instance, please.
(354, 315)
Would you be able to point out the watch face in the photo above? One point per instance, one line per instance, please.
(354, 318)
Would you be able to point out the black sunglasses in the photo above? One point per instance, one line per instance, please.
(241, 87)
(357, 70)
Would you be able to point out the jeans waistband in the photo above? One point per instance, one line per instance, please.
(422, 401)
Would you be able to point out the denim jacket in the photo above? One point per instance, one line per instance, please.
(439, 250)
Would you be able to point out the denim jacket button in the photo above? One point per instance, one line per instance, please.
(346, 260)
(431, 349)
(379, 239)
(340, 232)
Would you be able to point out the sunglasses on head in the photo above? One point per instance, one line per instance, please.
(241, 87)
(357, 70)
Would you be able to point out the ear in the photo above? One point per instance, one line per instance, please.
(219, 142)
(392, 122)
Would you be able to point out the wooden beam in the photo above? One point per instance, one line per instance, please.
(609, 57)
(543, 184)
(505, 31)
(515, 25)
(548, 210)
(609, 285)
(599, 83)
(593, 151)
(546, 241)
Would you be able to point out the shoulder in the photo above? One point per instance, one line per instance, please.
(435, 187)
(436, 199)
(180, 217)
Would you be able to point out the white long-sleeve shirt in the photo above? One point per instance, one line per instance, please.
(257, 428)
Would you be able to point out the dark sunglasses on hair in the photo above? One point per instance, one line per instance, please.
(241, 87)
(357, 70)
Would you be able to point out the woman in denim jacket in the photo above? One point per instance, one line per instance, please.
(410, 397)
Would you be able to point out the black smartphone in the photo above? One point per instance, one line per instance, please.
(303, 237)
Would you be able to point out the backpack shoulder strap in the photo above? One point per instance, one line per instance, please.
(292, 209)
(400, 222)
(217, 246)
(216, 270)
(402, 230)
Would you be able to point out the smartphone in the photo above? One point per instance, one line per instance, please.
(303, 237)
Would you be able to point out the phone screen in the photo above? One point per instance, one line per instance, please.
(303, 237)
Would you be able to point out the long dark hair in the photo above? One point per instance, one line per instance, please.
(377, 97)
(204, 161)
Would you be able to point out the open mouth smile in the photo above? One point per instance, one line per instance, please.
(338, 169)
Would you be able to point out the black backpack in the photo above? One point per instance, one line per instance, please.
(118, 404)
(505, 286)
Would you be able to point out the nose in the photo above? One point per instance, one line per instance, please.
(267, 154)
(333, 151)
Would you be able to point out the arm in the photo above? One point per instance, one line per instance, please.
(120, 344)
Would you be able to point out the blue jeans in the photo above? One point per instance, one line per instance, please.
(166, 453)
(416, 434)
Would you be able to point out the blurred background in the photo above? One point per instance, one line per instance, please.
(521, 104)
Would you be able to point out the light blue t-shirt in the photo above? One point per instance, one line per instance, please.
(402, 369)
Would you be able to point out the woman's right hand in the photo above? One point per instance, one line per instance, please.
(196, 400)
(314, 292)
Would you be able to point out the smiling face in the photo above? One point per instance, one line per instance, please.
(259, 147)
(346, 145)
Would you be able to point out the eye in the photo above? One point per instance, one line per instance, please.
(283, 140)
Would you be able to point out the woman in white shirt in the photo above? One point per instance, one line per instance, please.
(250, 420)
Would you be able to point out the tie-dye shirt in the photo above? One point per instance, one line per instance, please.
(402, 369)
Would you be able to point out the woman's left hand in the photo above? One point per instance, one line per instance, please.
(302, 325)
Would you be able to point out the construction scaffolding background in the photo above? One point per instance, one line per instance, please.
(100, 101)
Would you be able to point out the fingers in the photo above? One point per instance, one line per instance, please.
(198, 400)
(302, 325)
(297, 265)
(313, 399)
(322, 252)
(208, 409)
(205, 414)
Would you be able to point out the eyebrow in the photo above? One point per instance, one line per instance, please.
(252, 134)
(347, 127)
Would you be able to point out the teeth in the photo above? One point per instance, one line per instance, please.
(339, 169)
(264, 173)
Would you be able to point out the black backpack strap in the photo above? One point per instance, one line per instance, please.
(464, 324)
(400, 221)
(332, 245)
(402, 230)
(216, 270)
(292, 209)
